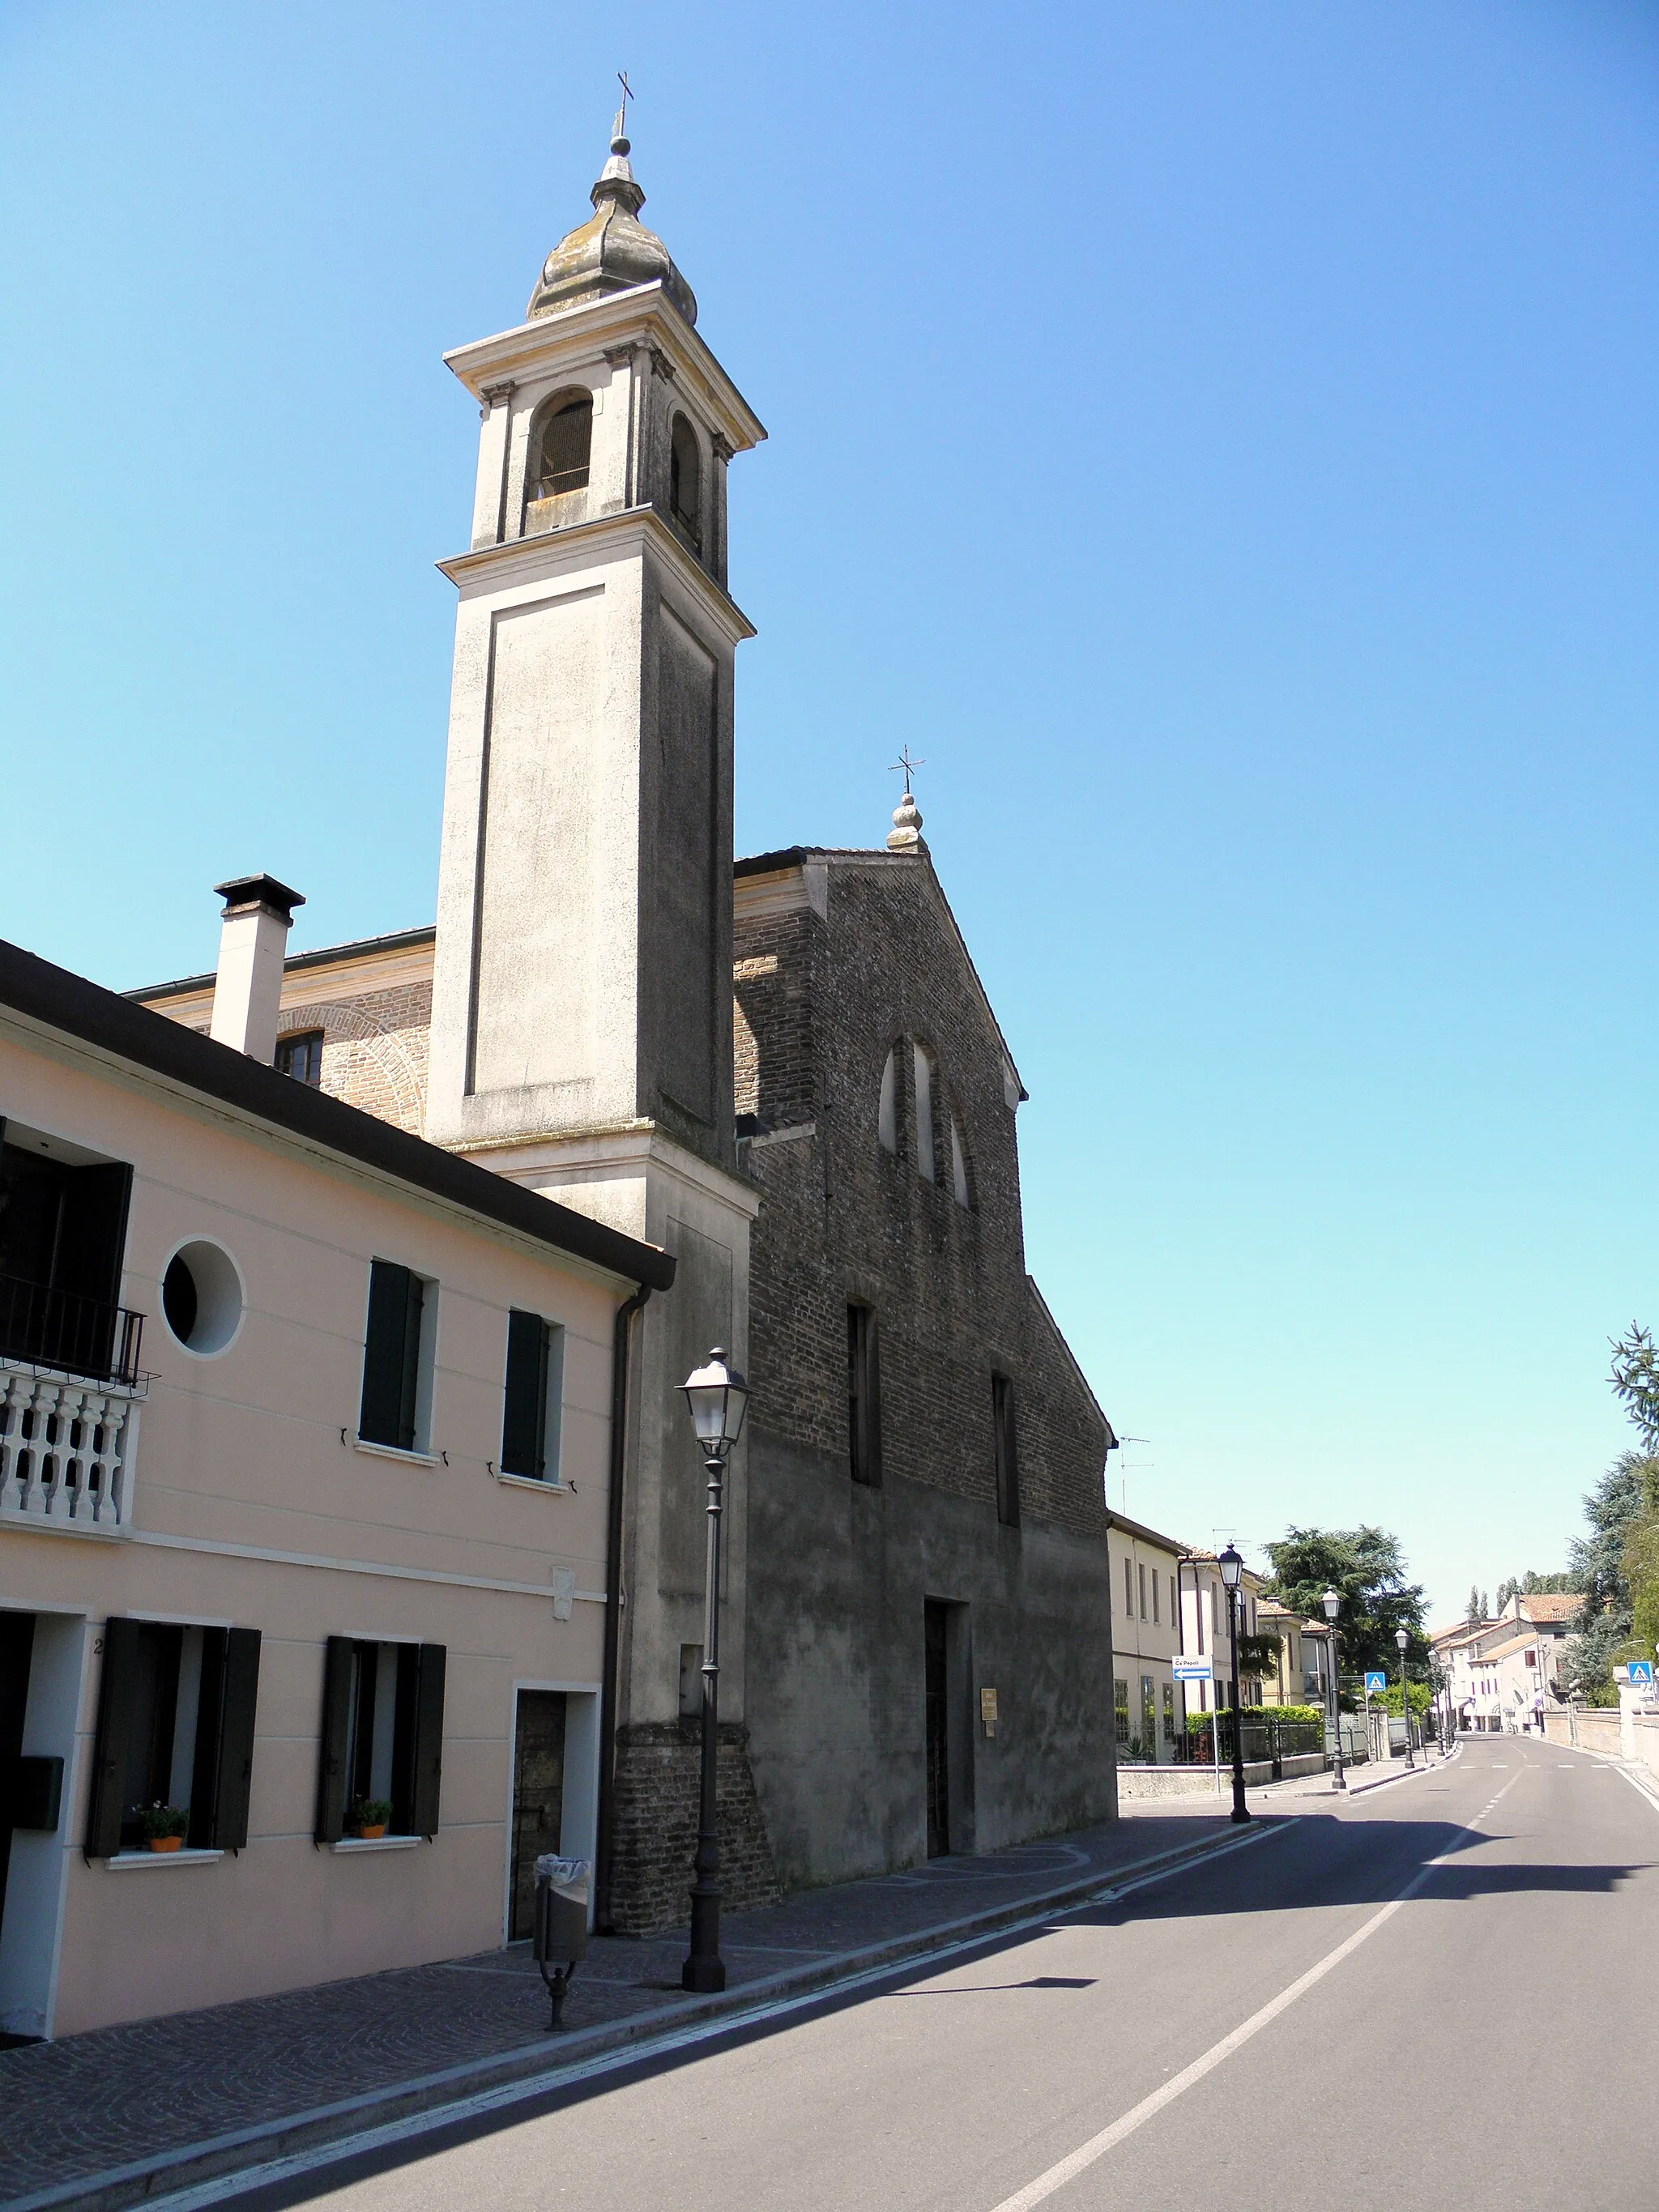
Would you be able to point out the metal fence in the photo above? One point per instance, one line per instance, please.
(1263, 1734)
(43, 1327)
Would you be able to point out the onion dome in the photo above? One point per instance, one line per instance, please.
(613, 251)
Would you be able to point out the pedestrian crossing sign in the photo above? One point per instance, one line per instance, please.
(1376, 1683)
(1641, 1674)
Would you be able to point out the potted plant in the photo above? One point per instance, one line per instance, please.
(368, 1817)
(163, 1827)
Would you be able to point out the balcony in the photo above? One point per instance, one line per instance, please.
(70, 1388)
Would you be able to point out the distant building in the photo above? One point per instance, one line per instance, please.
(1205, 1631)
(1300, 1672)
(1149, 1713)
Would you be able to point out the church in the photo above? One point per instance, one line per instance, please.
(780, 1070)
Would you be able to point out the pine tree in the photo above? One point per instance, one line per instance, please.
(1477, 1610)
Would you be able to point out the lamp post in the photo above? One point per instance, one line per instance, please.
(1402, 1638)
(718, 1398)
(1231, 1564)
(1333, 1605)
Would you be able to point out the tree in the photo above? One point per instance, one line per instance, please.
(1367, 1569)
(1477, 1607)
(1635, 1380)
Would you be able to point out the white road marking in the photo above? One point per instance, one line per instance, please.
(1086, 2153)
(197, 2195)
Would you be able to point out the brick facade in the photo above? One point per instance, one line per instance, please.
(658, 1785)
(823, 998)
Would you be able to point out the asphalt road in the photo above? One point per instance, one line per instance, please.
(1441, 1993)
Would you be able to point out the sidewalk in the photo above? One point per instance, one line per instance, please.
(106, 2119)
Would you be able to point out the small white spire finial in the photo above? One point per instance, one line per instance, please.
(906, 832)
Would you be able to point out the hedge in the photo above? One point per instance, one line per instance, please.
(1196, 1723)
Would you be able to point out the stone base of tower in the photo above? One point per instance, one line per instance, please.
(658, 1765)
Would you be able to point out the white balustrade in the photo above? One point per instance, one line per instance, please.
(67, 1448)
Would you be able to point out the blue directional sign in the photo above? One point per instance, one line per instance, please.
(1641, 1674)
(1376, 1683)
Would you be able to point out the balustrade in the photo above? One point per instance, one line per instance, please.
(67, 1448)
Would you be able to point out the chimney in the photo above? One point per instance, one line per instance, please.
(247, 989)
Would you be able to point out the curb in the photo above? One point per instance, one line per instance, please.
(143, 2180)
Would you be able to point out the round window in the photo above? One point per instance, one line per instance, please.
(201, 1296)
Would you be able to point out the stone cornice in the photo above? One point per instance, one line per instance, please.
(525, 560)
(598, 329)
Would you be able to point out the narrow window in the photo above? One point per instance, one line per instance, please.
(924, 1074)
(1004, 1431)
(1197, 1615)
(1148, 1717)
(1121, 1708)
(1140, 1573)
(1174, 1609)
(563, 444)
(534, 1389)
(302, 1056)
(395, 1408)
(1169, 1712)
(1154, 1597)
(887, 1109)
(380, 1755)
(685, 479)
(863, 1396)
(1128, 1590)
(958, 1165)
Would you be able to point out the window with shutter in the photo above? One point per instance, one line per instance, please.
(175, 1730)
(529, 1408)
(380, 1755)
(397, 1353)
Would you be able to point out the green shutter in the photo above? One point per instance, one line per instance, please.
(524, 1416)
(428, 1740)
(234, 1776)
(391, 1357)
(118, 1692)
(331, 1778)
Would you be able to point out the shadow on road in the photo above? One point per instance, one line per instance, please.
(1320, 1863)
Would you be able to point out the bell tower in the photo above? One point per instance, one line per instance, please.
(584, 960)
(582, 999)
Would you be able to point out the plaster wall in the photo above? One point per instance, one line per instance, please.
(252, 1507)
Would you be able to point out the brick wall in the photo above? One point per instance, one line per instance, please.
(375, 1048)
(657, 1788)
(822, 999)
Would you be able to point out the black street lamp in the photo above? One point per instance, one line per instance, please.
(1333, 1605)
(718, 1398)
(1231, 1564)
(1402, 1638)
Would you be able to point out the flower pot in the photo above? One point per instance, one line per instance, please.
(368, 1834)
(166, 1843)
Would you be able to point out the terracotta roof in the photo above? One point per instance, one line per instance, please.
(1505, 1651)
(1551, 1605)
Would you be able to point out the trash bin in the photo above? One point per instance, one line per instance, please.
(560, 1934)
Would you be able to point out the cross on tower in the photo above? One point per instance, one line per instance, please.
(909, 767)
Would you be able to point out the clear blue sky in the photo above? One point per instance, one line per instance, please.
(1221, 440)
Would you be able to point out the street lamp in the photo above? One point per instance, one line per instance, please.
(1231, 1564)
(1402, 1638)
(1333, 1605)
(717, 1397)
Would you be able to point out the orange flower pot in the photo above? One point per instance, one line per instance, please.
(369, 1834)
(166, 1843)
